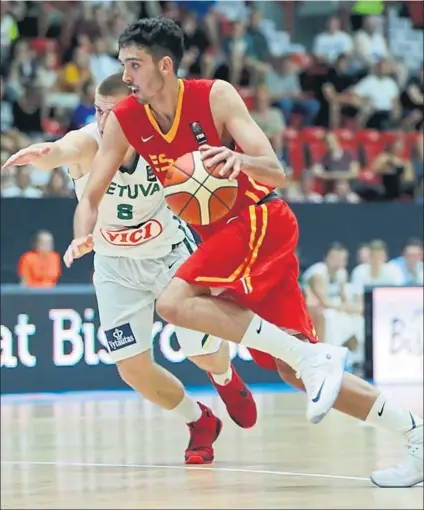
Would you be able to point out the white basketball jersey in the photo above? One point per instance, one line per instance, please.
(133, 220)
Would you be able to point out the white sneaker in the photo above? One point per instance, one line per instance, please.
(410, 471)
(322, 375)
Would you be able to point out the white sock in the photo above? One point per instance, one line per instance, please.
(225, 378)
(264, 336)
(390, 416)
(189, 409)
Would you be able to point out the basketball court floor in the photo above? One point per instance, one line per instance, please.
(114, 450)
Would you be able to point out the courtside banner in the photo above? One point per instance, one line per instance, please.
(51, 341)
(395, 334)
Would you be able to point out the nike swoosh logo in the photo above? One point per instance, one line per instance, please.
(318, 395)
(173, 264)
(381, 410)
(414, 425)
(146, 139)
(259, 329)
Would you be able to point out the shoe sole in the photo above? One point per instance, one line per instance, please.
(395, 486)
(197, 459)
(316, 419)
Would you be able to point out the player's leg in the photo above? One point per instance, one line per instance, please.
(212, 354)
(187, 303)
(361, 400)
(126, 315)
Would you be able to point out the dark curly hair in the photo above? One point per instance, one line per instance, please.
(161, 37)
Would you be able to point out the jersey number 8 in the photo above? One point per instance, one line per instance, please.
(125, 212)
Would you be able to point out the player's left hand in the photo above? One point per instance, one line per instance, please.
(215, 155)
(77, 249)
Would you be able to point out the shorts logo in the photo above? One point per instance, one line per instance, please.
(126, 237)
(120, 337)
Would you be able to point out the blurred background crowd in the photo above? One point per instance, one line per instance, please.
(336, 86)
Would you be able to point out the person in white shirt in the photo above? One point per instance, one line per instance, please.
(337, 319)
(332, 43)
(102, 64)
(377, 271)
(410, 263)
(370, 44)
(378, 97)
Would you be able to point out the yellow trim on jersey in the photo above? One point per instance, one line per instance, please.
(246, 276)
(252, 196)
(170, 135)
(245, 279)
(258, 186)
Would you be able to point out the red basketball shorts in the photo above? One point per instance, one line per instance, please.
(253, 258)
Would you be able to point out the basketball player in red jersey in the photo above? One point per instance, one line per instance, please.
(249, 255)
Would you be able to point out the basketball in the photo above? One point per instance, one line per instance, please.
(198, 194)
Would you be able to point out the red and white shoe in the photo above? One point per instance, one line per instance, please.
(238, 399)
(203, 433)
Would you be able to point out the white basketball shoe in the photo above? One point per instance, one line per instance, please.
(322, 375)
(410, 471)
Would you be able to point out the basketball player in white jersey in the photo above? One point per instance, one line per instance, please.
(139, 244)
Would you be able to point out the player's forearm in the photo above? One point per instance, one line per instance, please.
(54, 158)
(85, 218)
(264, 169)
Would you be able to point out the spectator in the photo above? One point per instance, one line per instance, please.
(363, 253)
(76, 73)
(40, 267)
(244, 67)
(85, 111)
(285, 91)
(6, 109)
(378, 95)
(29, 112)
(377, 271)
(336, 318)
(9, 31)
(342, 193)
(269, 119)
(102, 64)
(334, 91)
(303, 191)
(412, 100)
(396, 171)
(370, 45)
(336, 165)
(410, 263)
(196, 45)
(47, 71)
(24, 64)
(22, 188)
(259, 41)
(329, 45)
(57, 185)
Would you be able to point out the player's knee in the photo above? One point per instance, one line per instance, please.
(171, 304)
(167, 308)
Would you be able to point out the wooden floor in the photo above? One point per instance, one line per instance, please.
(117, 451)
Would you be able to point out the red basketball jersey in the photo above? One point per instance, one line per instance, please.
(193, 126)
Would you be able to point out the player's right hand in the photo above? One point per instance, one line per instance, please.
(27, 156)
(78, 248)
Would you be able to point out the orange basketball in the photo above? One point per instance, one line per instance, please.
(198, 194)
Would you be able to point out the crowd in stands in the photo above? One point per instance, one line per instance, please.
(346, 119)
